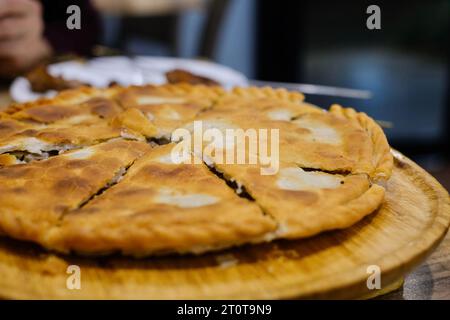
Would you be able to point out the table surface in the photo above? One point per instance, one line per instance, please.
(431, 280)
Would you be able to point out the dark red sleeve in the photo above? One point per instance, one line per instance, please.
(75, 41)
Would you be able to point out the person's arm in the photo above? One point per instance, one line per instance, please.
(22, 43)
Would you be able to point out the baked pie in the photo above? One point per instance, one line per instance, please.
(98, 171)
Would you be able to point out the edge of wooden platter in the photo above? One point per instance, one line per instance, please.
(29, 272)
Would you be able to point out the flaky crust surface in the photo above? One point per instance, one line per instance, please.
(161, 207)
(382, 158)
(83, 171)
(34, 196)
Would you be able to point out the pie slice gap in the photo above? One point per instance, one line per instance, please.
(160, 207)
(305, 202)
(326, 185)
(34, 196)
(339, 140)
(39, 143)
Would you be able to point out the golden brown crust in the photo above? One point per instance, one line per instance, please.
(10, 126)
(264, 107)
(328, 163)
(59, 138)
(305, 203)
(182, 90)
(268, 92)
(34, 196)
(90, 110)
(160, 207)
(382, 159)
(182, 76)
(7, 160)
(65, 97)
(135, 122)
(312, 139)
(335, 217)
(169, 106)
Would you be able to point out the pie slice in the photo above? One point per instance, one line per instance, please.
(135, 124)
(327, 142)
(88, 112)
(67, 97)
(160, 206)
(262, 103)
(10, 126)
(340, 140)
(169, 106)
(381, 157)
(35, 196)
(320, 147)
(39, 143)
(305, 203)
(73, 119)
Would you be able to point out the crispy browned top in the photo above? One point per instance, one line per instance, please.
(83, 171)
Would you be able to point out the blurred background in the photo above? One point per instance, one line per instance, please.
(404, 65)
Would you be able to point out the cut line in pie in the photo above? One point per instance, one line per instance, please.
(92, 171)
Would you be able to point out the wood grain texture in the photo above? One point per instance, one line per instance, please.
(397, 238)
(431, 280)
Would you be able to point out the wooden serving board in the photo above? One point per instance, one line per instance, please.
(410, 224)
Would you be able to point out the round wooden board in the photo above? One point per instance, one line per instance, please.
(412, 221)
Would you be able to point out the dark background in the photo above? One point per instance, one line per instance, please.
(404, 65)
